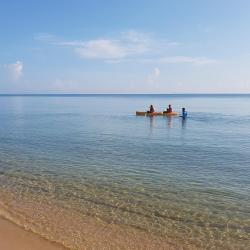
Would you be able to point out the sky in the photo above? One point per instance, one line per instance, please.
(132, 46)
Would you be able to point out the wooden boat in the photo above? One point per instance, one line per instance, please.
(170, 114)
(143, 113)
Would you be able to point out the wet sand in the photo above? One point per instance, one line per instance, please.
(69, 228)
(13, 237)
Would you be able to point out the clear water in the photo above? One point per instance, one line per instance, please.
(186, 181)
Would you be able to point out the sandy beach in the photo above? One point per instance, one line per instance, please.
(13, 237)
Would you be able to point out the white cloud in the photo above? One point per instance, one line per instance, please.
(153, 76)
(157, 72)
(137, 42)
(181, 59)
(186, 59)
(129, 46)
(15, 70)
(102, 49)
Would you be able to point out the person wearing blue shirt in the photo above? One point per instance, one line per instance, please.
(184, 113)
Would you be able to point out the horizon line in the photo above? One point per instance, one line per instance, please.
(81, 94)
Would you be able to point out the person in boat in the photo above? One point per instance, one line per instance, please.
(169, 109)
(151, 109)
(184, 113)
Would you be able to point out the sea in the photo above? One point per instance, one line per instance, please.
(86, 172)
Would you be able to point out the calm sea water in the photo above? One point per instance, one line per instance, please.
(184, 180)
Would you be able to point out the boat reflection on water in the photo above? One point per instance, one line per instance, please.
(170, 121)
(152, 124)
(183, 123)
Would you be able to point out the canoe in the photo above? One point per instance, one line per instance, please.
(143, 113)
(170, 114)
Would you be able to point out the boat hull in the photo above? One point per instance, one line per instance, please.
(170, 114)
(143, 113)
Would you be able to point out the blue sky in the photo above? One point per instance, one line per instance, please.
(160, 46)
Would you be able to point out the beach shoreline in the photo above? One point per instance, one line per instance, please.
(50, 224)
(13, 237)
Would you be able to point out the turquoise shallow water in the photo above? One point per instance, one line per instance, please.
(185, 180)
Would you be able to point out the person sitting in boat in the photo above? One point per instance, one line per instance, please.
(151, 109)
(184, 113)
(169, 109)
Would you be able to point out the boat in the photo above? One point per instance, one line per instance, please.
(170, 114)
(144, 113)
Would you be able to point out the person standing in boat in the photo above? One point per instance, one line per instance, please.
(169, 109)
